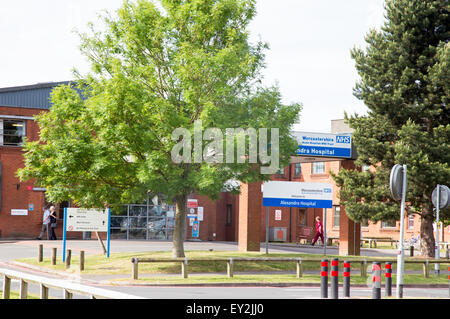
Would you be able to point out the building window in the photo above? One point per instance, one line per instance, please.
(12, 132)
(389, 224)
(318, 168)
(336, 215)
(301, 216)
(410, 221)
(229, 215)
(298, 169)
(280, 172)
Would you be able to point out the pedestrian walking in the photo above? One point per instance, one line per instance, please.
(319, 231)
(53, 223)
(45, 224)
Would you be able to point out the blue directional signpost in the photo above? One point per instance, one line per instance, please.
(324, 145)
(81, 220)
(297, 194)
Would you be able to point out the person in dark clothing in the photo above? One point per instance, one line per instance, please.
(53, 223)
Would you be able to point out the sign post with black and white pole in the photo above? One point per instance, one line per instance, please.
(398, 185)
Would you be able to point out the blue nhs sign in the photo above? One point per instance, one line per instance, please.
(324, 145)
(343, 139)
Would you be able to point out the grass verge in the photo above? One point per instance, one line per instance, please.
(215, 272)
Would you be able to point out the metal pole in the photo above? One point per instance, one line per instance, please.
(376, 281)
(346, 280)
(334, 278)
(108, 235)
(388, 279)
(401, 254)
(64, 234)
(325, 233)
(267, 230)
(438, 250)
(324, 278)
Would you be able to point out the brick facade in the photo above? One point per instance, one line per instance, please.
(239, 218)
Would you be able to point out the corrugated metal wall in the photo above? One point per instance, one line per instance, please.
(33, 96)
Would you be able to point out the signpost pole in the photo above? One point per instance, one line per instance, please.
(400, 257)
(267, 230)
(108, 233)
(325, 233)
(64, 234)
(438, 251)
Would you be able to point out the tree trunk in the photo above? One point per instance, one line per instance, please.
(179, 231)
(426, 233)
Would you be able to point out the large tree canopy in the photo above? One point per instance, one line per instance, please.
(158, 67)
(404, 82)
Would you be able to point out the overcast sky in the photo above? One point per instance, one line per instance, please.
(309, 56)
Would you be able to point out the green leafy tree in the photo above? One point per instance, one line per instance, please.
(157, 67)
(404, 82)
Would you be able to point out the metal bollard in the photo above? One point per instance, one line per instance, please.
(346, 279)
(334, 278)
(388, 279)
(449, 282)
(376, 280)
(324, 278)
(411, 251)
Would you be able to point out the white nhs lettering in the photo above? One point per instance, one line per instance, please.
(343, 139)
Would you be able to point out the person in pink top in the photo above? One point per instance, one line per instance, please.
(319, 231)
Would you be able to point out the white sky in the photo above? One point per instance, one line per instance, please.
(309, 56)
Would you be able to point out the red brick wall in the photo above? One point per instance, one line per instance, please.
(15, 194)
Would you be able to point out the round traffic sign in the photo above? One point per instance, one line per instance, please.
(396, 182)
(444, 197)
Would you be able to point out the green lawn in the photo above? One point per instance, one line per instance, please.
(215, 271)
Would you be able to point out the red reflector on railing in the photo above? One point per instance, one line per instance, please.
(388, 266)
(324, 263)
(346, 274)
(334, 263)
(334, 273)
(347, 265)
(324, 273)
(388, 275)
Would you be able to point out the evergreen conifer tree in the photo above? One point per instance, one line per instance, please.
(404, 82)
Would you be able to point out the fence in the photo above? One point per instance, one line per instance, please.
(143, 222)
(299, 262)
(68, 288)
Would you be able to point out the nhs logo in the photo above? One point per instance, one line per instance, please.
(327, 190)
(343, 139)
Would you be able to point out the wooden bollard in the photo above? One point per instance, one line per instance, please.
(40, 253)
(134, 268)
(54, 256)
(230, 268)
(426, 269)
(363, 268)
(299, 268)
(82, 260)
(69, 255)
(184, 272)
